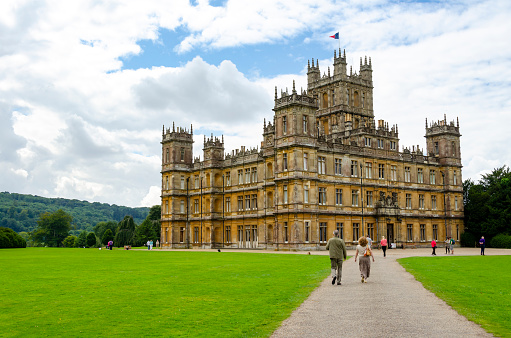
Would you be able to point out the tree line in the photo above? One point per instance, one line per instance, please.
(54, 230)
(487, 207)
(21, 212)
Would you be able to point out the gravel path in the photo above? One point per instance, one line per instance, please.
(391, 304)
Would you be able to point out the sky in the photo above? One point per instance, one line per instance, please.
(87, 86)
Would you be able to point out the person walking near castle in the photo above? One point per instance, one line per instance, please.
(482, 242)
(383, 244)
(433, 246)
(364, 262)
(451, 245)
(447, 245)
(337, 250)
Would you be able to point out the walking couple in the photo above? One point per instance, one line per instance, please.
(337, 250)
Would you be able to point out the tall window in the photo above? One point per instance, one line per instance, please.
(305, 125)
(407, 174)
(228, 178)
(240, 176)
(182, 207)
(181, 234)
(167, 156)
(380, 143)
(421, 201)
(435, 232)
(370, 230)
(338, 196)
(306, 194)
(367, 141)
(354, 198)
(338, 167)
(227, 204)
(247, 202)
(457, 232)
(393, 173)
(408, 201)
(285, 194)
(432, 177)
(284, 124)
(453, 148)
(369, 170)
(286, 232)
(433, 202)
(356, 232)
(228, 237)
(420, 177)
(254, 175)
(321, 165)
(197, 186)
(381, 171)
(254, 201)
(305, 161)
(454, 178)
(369, 199)
(284, 163)
(196, 206)
(167, 182)
(340, 228)
(182, 182)
(196, 234)
(247, 175)
(322, 232)
(354, 168)
(423, 232)
(392, 145)
(322, 196)
(436, 148)
(240, 233)
(307, 231)
(240, 203)
(182, 154)
(409, 232)
(455, 202)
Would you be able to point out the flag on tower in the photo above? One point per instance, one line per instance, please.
(335, 36)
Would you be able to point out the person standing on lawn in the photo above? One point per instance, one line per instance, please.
(383, 244)
(433, 246)
(337, 250)
(482, 242)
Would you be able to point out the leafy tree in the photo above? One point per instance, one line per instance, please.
(155, 213)
(70, 241)
(144, 233)
(101, 227)
(91, 239)
(82, 239)
(52, 228)
(10, 239)
(488, 204)
(107, 236)
(125, 232)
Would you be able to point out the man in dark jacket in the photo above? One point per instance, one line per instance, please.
(337, 250)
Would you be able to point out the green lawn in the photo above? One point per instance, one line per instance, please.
(90, 292)
(478, 287)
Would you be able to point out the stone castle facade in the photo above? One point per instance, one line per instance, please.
(324, 163)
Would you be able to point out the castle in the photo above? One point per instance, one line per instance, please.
(324, 164)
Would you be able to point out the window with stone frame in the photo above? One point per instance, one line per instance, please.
(338, 167)
(322, 195)
(322, 232)
(369, 170)
(338, 196)
(354, 198)
(433, 202)
(356, 232)
(407, 174)
(381, 171)
(423, 232)
(421, 201)
(432, 177)
(408, 201)
(409, 232)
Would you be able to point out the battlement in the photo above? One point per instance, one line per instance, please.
(442, 127)
(213, 142)
(286, 99)
(180, 134)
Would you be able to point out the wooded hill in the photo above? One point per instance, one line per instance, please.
(21, 212)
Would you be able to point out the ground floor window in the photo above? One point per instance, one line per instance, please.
(356, 232)
(457, 232)
(196, 234)
(409, 232)
(240, 234)
(423, 232)
(307, 231)
(228, 234)
(286, 233)
(322, 232)
(340, 228)
(435, 232)
(370, 230)
(181, 235)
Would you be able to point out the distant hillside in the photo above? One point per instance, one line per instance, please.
(21, 212)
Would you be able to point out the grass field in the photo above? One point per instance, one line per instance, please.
(478, 287)
(90, 292)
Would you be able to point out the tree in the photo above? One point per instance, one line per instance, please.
(144, 233)
(101, 227)
(107, 236)
(488, 204)
(155, 217)
(81, 242)
(10, 239)
(125, 232)
(70, 241)
(52, 228)
(91, 239)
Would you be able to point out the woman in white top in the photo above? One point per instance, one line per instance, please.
(364, 262)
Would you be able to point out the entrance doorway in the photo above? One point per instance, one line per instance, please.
(390, 234)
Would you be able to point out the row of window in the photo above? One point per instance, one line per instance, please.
(380, 143)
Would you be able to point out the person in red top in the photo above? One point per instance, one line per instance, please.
(433, 245)
(383, 244)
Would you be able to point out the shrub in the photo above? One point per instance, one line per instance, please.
(468, 240)
(108, 235)
(10, 239)
(70, 241)
(91, 239)
(501, 241)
